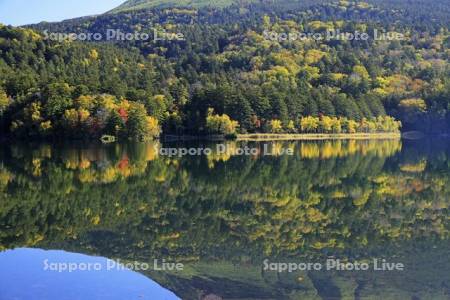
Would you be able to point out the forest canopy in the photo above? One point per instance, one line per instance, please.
(227, 63)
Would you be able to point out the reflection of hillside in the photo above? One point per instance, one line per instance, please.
(127, 202)
(312, 150)
(329, 149)
(427, 278)
(277, 205)
(109, 163)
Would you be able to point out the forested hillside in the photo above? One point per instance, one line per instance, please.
(234, 64)
(145, 4)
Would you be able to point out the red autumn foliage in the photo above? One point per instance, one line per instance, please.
(123, 114)
(124, 163)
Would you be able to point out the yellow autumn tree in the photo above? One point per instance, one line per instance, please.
(326, 124)
(275, 126)
(220, 124)
(314, 56)
(350, 126)
(86, 102)
(309, 124)
(45, 127)
(4, 101)
(361, 72)
(153, 128)
(93, 54)
(336, 125)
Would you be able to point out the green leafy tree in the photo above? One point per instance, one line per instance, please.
(137, 125)
(57, 97)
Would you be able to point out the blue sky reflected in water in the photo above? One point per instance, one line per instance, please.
(22, 276)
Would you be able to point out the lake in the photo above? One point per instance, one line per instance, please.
(343, 219)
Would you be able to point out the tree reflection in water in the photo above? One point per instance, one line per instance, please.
(222, 214)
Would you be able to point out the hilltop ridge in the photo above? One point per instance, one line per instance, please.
(146, 4)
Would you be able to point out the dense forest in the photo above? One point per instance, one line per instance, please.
(233, 72)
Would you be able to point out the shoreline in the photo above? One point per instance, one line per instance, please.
(317, 136)
(285, 137)
(261, 137)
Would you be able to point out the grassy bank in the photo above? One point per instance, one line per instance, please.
(287, 136)
(318, 136)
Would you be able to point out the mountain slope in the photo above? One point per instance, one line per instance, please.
(237, 62)
(144, 4)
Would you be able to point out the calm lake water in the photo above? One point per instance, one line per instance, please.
(278, 220)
